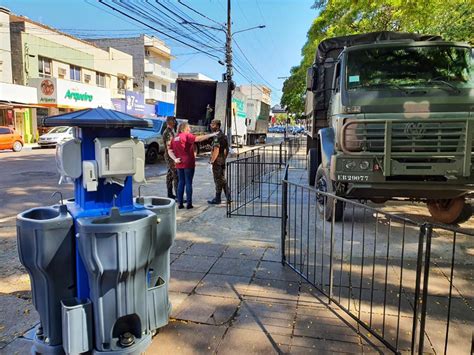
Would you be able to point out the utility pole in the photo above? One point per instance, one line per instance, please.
(228, 77)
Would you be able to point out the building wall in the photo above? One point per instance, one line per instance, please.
(29, 41)
(5, 47)
(133, 46)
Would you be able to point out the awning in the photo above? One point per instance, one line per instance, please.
(8, 105)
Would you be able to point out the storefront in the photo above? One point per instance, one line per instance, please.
(18, 109)
(58, 96)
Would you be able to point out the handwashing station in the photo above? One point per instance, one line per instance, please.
(99, 263)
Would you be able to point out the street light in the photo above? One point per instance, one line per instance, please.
(248, 29)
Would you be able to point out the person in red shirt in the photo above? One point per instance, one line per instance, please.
(182, 152)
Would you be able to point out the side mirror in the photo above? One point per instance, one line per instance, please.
(310, 78)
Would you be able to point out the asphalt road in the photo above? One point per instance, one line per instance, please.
(28, 178)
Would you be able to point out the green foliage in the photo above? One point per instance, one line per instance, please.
(452, 19)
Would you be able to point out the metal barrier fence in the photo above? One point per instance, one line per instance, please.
(255, 176)
(407, 283)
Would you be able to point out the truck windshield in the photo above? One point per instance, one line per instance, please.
(444, 67)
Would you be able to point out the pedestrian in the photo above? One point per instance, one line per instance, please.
(181, 150)
(172, 175)
(220, 150)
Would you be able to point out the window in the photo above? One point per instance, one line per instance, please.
(44, 67)
(75, 73)
(163, 88)
(100, 79)
(62, 73)
(4, 131)
(151, 84)
(121, 82)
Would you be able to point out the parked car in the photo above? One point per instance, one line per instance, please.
(55, 136)
(10, 139)
(152, 138)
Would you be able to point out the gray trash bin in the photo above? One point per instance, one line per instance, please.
(116, 251)
(159, 307)
(45, 246)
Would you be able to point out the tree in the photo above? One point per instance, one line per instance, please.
(452, 19)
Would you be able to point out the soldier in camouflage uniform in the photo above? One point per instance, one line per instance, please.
(220, 149)
(172, 175)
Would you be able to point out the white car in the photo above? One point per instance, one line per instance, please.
(55, 136)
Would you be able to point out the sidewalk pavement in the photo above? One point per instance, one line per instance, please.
(229, 291)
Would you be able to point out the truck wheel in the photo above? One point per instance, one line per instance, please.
(451, 211)
(325, 205)
(152, 154)
(312, 165)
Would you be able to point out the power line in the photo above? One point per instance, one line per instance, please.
(155, 29)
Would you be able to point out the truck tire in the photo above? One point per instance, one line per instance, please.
(152, 154)
(451, 211)
(325, 204)
(312, 165)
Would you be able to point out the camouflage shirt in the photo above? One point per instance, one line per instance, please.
(220, 141)
(168, 135)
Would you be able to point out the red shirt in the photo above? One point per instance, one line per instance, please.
(183, 148)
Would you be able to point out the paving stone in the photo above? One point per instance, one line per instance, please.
(272, 318)
(186, 338)
(276, 271)
(19, 346)
(238, 252)
(235, 267)
(206, 249)
(193, 263)
(180, 245)
(176, 298)
(272, 254)
(247, 341)
(223, 285)
(18, 316)
(207, 309)
(315, 323)
(304, 345)
(272, 289)
(184, 281)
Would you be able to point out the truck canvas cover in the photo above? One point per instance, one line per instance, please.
(332, 48)
(192, 98)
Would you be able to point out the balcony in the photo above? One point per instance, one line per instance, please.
(159, 71)
(159, 95)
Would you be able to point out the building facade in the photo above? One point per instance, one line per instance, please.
(151, 69)
(67, 73)
(16, 101)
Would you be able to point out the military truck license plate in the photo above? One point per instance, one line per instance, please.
(357, 178)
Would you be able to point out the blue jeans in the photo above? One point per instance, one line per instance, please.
(185, 178)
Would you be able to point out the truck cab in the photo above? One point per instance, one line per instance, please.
(392, 117)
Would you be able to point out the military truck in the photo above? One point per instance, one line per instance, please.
(391, 116)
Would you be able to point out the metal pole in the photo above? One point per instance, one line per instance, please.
(228, 59)
(284, 218)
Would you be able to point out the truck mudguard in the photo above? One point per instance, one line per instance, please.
(326, 137)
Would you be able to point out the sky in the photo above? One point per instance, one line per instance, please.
(270, 51)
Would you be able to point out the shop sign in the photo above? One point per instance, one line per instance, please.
(134, 103)
(77, 96)
(239, 108)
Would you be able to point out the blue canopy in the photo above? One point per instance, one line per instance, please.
(96, 117)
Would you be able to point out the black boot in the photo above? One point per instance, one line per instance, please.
(170, 193)
(216, 200)
(227, 194)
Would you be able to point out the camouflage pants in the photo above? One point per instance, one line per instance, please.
(218, 171)
(171, 175)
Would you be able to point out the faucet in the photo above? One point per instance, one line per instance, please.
(140, 190)
(60, 196)
(62, 206)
